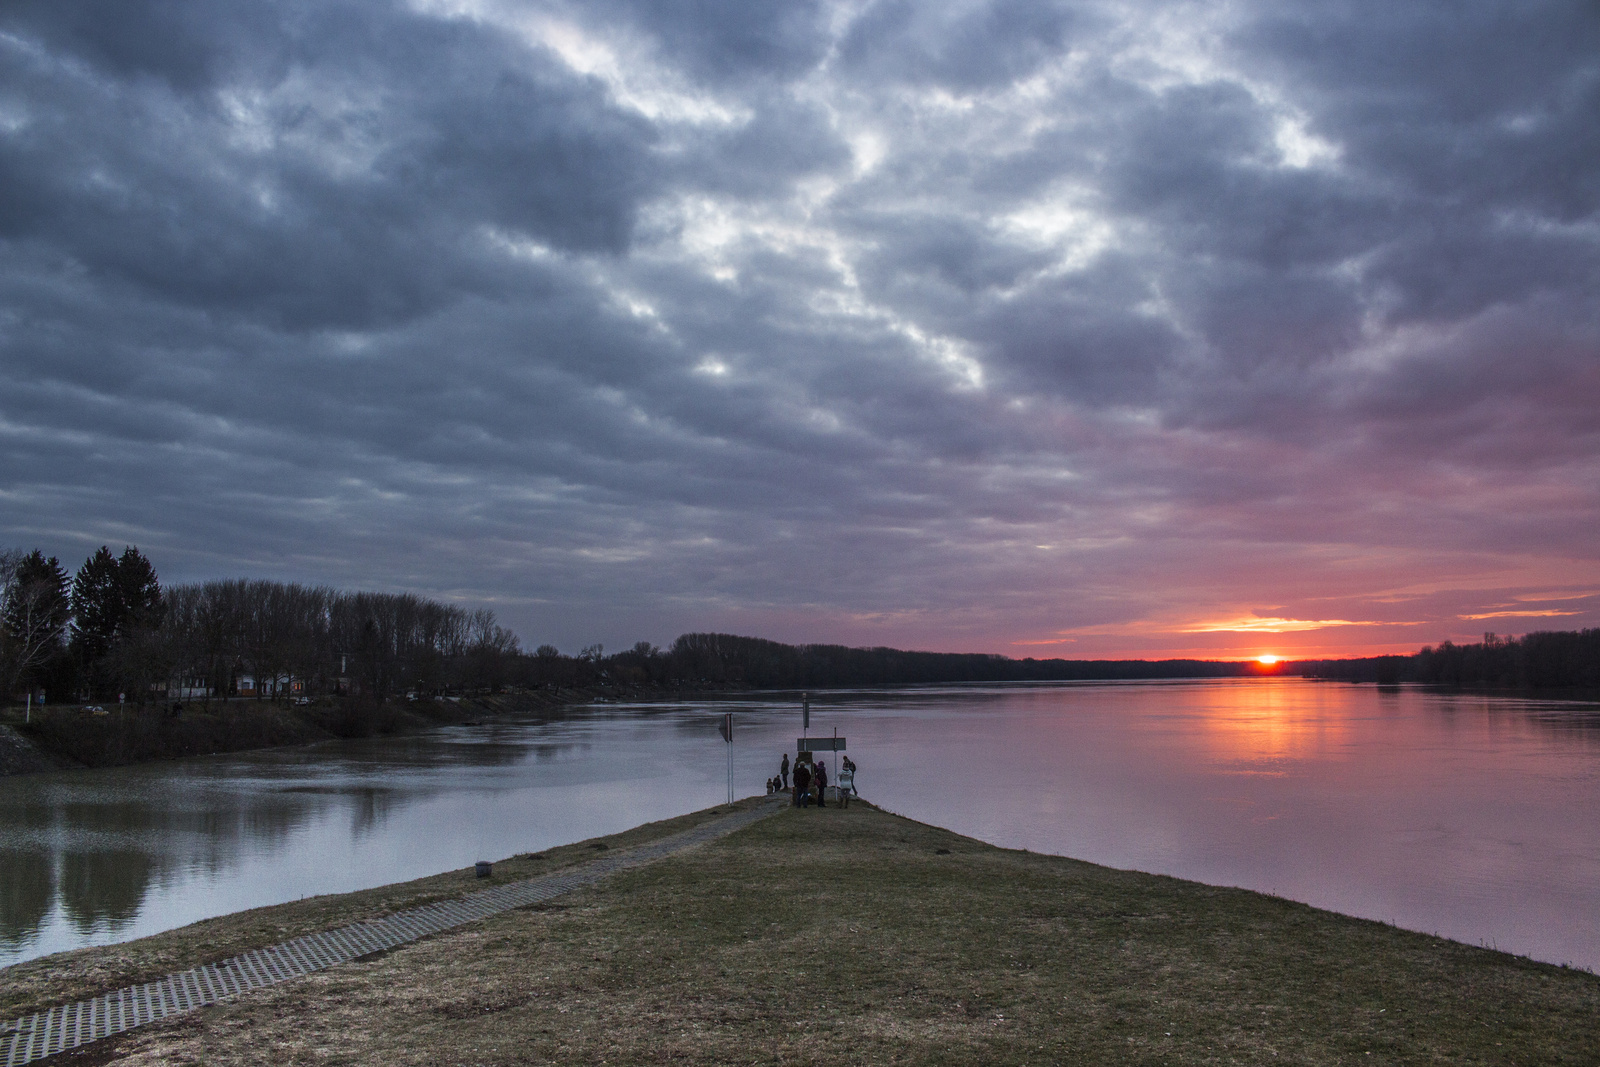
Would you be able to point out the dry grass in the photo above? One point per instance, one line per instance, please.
(847, 937)
(69, 976)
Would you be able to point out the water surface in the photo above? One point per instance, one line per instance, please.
(1474, 817)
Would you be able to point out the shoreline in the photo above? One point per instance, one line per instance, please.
(71, 738)
(851, 935)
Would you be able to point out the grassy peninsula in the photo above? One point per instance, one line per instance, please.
(858, 937)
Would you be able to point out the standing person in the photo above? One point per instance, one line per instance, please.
(783, 770)
(822, 785)
(802, 784)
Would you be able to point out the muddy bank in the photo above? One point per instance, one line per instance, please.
(19, 755)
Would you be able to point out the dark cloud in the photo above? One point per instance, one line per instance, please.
(188, 44)
(349, 192)
(1483, 102)
(953, 326)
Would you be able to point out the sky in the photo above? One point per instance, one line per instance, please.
(1102, 329)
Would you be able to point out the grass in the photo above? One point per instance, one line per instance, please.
(857, 937)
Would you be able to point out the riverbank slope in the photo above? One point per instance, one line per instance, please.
(858, 937)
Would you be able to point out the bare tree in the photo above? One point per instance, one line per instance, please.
(34, 613)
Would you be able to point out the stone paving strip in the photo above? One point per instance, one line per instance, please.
(67, 1026)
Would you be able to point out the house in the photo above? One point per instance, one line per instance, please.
(283, 685)
(187, 689)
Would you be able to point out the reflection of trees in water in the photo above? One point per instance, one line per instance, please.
(111, 848)
(25, 892)
(481, 747)
(1581, 723)
(492, 744)
(213, 837)
(490, 753)
(104, 887)
(564, 713)
(370, 807)
(26, 821)
(264, 818)
(107, 862)
(1574, 723)
(100, 841)
(550, 751)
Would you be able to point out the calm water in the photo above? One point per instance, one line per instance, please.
(1476, 818)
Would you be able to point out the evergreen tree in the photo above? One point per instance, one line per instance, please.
(96, 606)
(117, 607)
(138, 593)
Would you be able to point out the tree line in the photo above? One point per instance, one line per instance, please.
(1564, 659)
(112, 631)
(758, 663)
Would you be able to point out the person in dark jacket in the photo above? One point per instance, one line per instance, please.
(802, 784)
(783, 770)
(822, 785)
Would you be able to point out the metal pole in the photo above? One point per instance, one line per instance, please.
(805, 720)
(727, 739)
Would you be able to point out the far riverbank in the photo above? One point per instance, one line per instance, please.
(852, 936)
(71, 736)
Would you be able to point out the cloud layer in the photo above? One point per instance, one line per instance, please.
(1103, 328)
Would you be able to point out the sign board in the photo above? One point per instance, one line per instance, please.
(819, 744)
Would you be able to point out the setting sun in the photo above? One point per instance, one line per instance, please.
(1267, 660)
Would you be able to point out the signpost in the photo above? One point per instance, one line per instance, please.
(823, 744)
(725, 727)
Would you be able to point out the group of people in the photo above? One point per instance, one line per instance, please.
(811, 781)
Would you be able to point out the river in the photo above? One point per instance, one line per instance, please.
(1474, 817)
